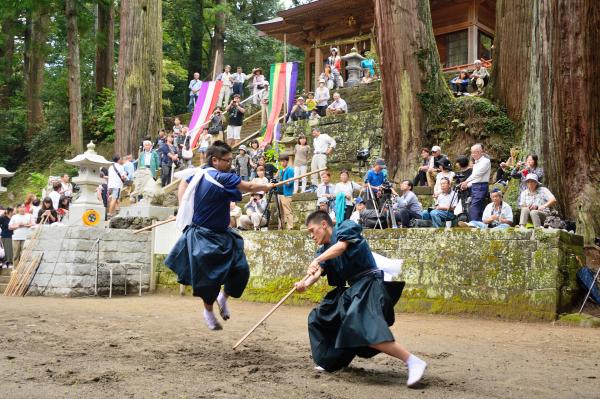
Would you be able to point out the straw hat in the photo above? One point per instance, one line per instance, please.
(257, 69)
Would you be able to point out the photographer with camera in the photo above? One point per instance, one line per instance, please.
(443, 210)
(374, 179)
(434, 164)
(255, 208)
(235, 121)
(406, 204)
(478, 182)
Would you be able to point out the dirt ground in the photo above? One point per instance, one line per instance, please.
(157, 346)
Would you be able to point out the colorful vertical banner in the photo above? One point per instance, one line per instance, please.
(205, 105)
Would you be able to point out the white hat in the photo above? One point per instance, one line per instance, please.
(243, 147)
(321, 80)
(477, 62)
(322, 200)
(532, 176)
(436, 148)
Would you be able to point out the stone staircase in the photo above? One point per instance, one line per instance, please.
(4, 279)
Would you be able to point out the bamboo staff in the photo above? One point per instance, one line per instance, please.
(265, 317)
(172, 218)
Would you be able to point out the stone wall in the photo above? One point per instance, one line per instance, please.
(509, 274)
(68, 264)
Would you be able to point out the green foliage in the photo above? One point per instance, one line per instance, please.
(173, 73)
(100, 121)
(37, 181)
(271, 155)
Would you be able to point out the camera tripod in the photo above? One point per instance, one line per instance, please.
(267, 213)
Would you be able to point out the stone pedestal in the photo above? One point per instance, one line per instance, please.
(3, 174)
(146, 211)
(353, 60)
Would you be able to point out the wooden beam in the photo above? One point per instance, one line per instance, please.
(451, 28)
(318, 61)
(307, 82)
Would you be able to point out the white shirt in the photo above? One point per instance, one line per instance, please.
(355, 217)
(147, 158)
(114, 179)
(346, 188)
(339, 104)
(239, 77)
(67, 189)
(194, 85)
(437, 189)
(481, 171)
(226, 78)
(22, 233)
(322, 142)
(55, 197)
(321, 96)
(447, 200)
(322, 190)
(505, 212)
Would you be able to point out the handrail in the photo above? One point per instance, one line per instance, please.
(485, 63)
(247, 138)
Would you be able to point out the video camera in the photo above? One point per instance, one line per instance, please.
(386, 187)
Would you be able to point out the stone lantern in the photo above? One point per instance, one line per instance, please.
(87, 210)
(4, 173)
(353, 60)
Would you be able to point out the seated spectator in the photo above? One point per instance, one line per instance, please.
(314, 117)
(535, 202)
(260, 175)
(311, 103)
(407, 205)
(434, 164)
(47, 213)
(326, 189)
(445, 172)
(321, 97)
(235, 212)
(524, 169)
(460, 83)
(243, 164)
(63, 209)
(323, 205)
(55, 194)
(255, 208)
(299, 110)
(346, 187)
(359, 205)
(338, 106)
(496, 215)
(367, 77)
(443, 210)
(505, 170)
(421, 177)
(479, 77)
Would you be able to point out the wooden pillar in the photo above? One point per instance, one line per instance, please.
(318, 61)
(472, 32)
(307, 82)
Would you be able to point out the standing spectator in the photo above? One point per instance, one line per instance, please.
(239, 78)
(116, 176)
(338, 106)
(204, 140)
(323, 146)
(194, 87)
(285, 200)
(66, 186)
(264, 104)
(328, 77)
(47, 214)
(460, 83)
(367, 77)
(260, 175)
(299, 110)
(407, 206)
(20, 224)
(301, 154)
(177, 127)
(524, 169)
(225, 92)
(255, 152)
(421, 177)
(346, 187)
(311, 103)
(322, 97)
(463, 166)
(63, 210)
(29, 198)
(535, 202)
(161, 139)
(497, 214)
(35, 208)
(236, 120)
(324, 206)
(375, 176)
(434, 164)
(335, 62)
(243, 164)
(168, 160)
(6, 236)
(445, 172)
(149, 159)
(102, 191)
(129, 167)
(479, 77)
(55, 193)
(235, 213)
(443, 210)
(258, 84)
(478, 182)
(326, 189)
(215, 127)
(270, 169)
(368, 63)
(255, 208)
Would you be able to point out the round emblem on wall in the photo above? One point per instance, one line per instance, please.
(91, 217)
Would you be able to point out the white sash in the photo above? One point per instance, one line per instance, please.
(390, 267)
(185, 214)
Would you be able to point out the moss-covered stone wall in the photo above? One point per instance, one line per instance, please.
(509, 274)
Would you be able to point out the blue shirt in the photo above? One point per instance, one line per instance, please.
(211, 203)
(129, 169)
(375, 179)
(369, 63)
(288, 189)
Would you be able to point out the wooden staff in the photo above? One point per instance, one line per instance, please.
(172, 218)
(265, 317)
(281, 183)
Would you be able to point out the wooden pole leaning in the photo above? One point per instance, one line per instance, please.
(265, 317)
(169, 220)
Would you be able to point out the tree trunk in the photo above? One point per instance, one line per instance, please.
(411, 77)
(105, 45)
(196, 40)
(75, 122)
(217, 44)
(558, 106)
(7, 50)
(139, 102)
(35, 55)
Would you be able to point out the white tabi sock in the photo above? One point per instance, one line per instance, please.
(416, 369)
(222, 302)
(211, 321)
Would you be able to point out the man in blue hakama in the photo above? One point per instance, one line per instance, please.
(210, 254)
(351, 321)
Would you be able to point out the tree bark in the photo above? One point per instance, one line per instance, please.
(555, 96)
(217, 44)
(196, 40)
(75, 120)
(7, 50)
(411, 79)
(36, 35)
(139, 108)
(105, 45)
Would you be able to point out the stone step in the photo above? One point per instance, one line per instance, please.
(4, 279)
(5, 272)
(3, 288)
(423, 190)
